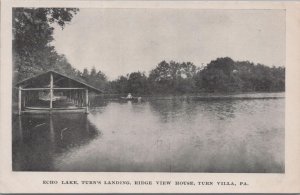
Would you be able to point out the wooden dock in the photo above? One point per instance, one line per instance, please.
(33, 90)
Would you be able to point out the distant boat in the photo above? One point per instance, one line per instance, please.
(130, 97)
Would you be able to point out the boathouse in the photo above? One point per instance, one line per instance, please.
(53, 92)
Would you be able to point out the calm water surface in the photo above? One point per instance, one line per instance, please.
(166, 134)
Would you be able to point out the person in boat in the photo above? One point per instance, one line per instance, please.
(129, 96)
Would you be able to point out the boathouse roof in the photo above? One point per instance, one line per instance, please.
(59, 81)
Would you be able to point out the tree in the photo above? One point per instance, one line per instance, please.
(184, 81)
(226, 75)
(32, 37)
(94, 78)
(85, 74)
(172, 77)
(119, 85)
(226, 65)
(137, 83)
(218, 75)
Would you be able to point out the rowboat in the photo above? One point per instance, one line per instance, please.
(131, 98)
(46, 97)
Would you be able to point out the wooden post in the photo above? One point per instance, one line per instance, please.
(20, 129)
(52, 132)
(86, 101)
(24, 101)
(51, 90)
(20, 100)
(86, 124)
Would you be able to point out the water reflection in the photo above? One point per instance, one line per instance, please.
(39, 139)
(172, 109)
(159, 134)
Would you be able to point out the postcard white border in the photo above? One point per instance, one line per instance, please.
(29, 182)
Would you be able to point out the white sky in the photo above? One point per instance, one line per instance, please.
(120, 41)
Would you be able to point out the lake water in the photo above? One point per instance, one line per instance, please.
(240, 133)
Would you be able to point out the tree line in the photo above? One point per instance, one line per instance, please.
(34, 54)
(221, 75)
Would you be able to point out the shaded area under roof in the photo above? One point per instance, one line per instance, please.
(59, 81)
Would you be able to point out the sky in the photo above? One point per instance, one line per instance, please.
(120, 41)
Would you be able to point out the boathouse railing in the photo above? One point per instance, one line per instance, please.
(81, 99)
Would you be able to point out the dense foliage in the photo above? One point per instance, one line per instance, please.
(220, 75)
(32, 49)
(33, 54)
(32, 37)
(226, 75)
(93, 77)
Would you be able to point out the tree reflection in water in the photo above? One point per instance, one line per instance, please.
(177, 107)
(38, 139)
(158, 134)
